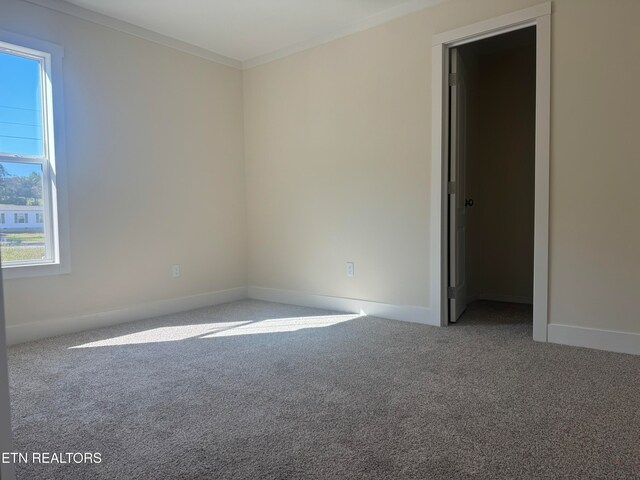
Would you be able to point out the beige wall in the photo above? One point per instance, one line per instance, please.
(501, 93)
(337, 158)
(155, 171)
(595, 234)
(337, 142)
(337, 168)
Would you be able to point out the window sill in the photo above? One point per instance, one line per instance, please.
(30, 271)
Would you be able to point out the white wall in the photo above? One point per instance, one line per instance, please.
(155, 172)
(336, 143)
(7, 471)
(337, 167)
(337, 152)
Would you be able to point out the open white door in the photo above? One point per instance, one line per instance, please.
(457, 292)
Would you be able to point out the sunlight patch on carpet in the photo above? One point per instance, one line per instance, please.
(221, 329)
(280, 325)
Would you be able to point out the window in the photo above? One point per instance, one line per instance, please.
(30, 180)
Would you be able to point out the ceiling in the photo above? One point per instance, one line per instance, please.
(249, 30)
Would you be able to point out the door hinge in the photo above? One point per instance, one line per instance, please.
(451, 292)
(451, 188)
(453, 79)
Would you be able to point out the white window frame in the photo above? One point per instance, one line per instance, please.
(54, 190)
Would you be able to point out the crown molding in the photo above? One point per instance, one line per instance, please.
(140, 32)
(349, 29)
(136, 31)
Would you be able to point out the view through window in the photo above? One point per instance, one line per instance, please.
(25, 199)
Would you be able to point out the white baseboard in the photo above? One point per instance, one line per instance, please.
(407, 313)
(613, 341)
(500, 298)
(60, 326)
(610, 340)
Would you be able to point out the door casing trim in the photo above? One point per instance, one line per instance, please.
(540, 17)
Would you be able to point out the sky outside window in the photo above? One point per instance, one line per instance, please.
(20, 106)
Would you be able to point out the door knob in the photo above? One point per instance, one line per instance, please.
(468, 202)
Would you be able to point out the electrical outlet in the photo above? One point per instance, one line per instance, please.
(175, 271)
(351, 270)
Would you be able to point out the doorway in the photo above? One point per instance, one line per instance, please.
(539, 17)
(491, 171)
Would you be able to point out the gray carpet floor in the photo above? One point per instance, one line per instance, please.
(184, 397)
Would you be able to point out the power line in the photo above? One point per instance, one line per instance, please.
(23, 138)
(20, 108)
(24, 124)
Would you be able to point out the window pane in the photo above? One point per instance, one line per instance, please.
(22, 236)
(20, 106)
